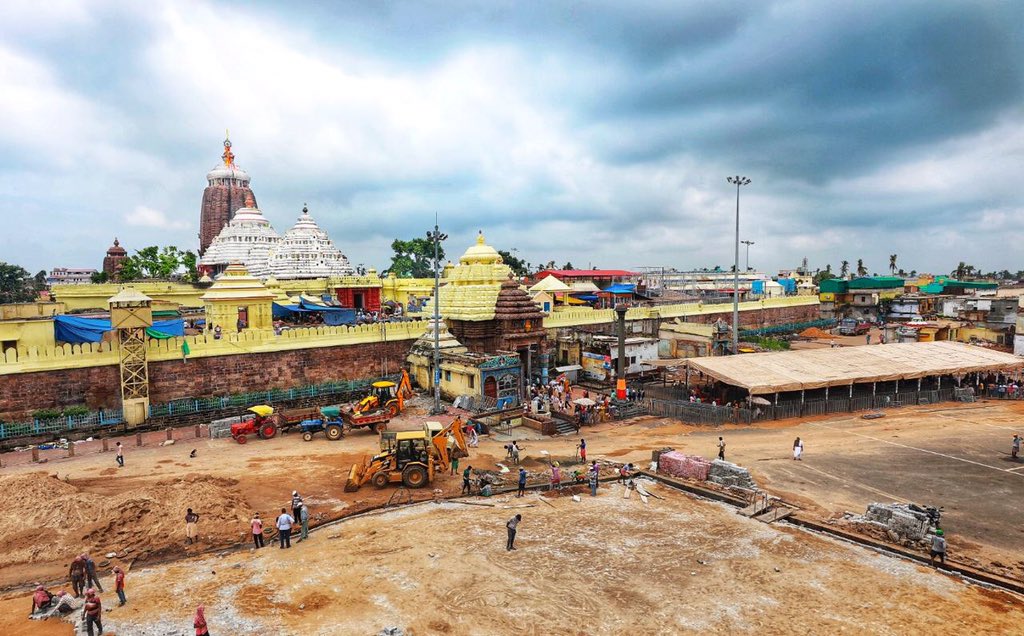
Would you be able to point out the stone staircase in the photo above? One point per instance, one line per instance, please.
(565, 428)
(626, 410)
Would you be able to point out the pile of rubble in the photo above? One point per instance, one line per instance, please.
(221, 428)
(723, 473)
(904, 524)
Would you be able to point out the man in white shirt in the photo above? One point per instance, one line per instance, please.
(284, 528)
(511, 525)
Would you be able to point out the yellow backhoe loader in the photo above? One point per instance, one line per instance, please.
(411, 457)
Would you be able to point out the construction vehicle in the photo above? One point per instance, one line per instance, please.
(261, 424)
(385, 401)
(411, 457)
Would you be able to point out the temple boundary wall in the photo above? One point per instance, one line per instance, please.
(33, 359)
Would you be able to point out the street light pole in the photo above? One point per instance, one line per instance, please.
(737, 181)
(748, 244)
(436, 237)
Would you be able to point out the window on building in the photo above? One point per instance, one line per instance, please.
(447, 376)
(632, 360)
(472, 382)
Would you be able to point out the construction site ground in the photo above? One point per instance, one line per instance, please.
(615, 563)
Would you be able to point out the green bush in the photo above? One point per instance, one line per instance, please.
(76, 410)
(46, 414)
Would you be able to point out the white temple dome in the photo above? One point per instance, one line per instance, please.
(306, 251)
(481, 253)
(247, 239)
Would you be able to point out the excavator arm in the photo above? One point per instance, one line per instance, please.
(440, 441)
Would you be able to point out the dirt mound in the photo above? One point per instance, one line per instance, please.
(814, 332)
(56, 519)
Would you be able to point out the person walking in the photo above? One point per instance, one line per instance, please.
(119, 585)
(556, 476)
(257, 530)
(304, 522)
(91, 580)
(455, 465)
(721, 449)
(284, 528)
(592, 476)
(798, 448)
(77, 574)
(120, 455)
(1015, 446)
(92, 613)
(511, 526)
(296, 504)
(199, 622)
(522, 482)
(465, 480)
(583, 450)
(938, 548)
(191, 527)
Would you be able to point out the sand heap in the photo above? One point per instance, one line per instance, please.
(814, 332)
(49, 518)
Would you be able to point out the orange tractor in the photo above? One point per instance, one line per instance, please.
(384, 402)
(261, 423)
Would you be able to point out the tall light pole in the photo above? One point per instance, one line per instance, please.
(436, 237)
(737, 181)
(748, 244)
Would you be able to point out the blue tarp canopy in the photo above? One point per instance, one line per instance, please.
(589, 297)
(76, 330)
(620, 288)
(332, 316)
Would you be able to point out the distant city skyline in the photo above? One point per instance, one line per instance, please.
(597, 134)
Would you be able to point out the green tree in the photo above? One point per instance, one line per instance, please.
(16, 284)
(861, 270)
(518, 265)
(157, 262)
(844, 269)
(892, 263)
(99, 277)
(568, 266)
(414, 258)
(824, 274)
(188, 262)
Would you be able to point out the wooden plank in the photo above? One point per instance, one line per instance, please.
(755, 508)
(472, 503)
(775, 515)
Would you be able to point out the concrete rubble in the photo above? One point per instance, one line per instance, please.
(222, 428)
(899, 521)
(729, 474)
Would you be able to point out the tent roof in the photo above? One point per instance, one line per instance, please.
(550, 284)
(762, 373)
(585, 287)
(620, 288)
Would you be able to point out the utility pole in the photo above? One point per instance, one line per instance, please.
(737, 181)
(436, 237)
(620, 372)
(748, 244)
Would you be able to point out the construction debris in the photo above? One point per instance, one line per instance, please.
(900, 522)
(676, 464)
(728, 474)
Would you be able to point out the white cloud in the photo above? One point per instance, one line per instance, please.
(143, 216)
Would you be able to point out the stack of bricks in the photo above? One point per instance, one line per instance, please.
(677, 464)
(726, 473)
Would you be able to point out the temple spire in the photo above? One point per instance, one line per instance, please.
(228, 156)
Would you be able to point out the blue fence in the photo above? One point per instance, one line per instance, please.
(56, 425)
(70, 423)
(184, 407)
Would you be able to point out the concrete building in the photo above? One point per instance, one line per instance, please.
(70, 276)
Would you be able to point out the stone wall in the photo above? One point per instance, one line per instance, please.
(99, 387)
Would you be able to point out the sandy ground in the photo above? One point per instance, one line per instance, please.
(951, 455)
(604, 565)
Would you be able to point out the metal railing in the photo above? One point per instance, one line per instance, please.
(56, 425)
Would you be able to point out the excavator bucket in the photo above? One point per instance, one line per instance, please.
(355, 477)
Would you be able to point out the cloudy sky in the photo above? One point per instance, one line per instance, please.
(593, 132)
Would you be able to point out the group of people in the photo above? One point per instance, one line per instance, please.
(798, 448)
(284, 523)
(85, 581)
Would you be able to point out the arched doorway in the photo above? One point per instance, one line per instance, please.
(491, 387)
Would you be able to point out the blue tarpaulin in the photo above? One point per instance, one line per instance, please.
(76, 330)
(620, 288)
(332, 316)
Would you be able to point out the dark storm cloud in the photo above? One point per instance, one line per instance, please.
(613, 128)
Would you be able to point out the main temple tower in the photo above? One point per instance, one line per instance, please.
(226, 192)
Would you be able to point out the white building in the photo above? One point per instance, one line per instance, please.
(306, 251)
(246, 239)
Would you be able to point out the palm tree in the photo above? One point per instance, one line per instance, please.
(892, 263)
(960, 271)
(861, 270)
(844, 269)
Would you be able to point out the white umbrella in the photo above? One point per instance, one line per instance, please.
(760, 400)
(584, 402)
